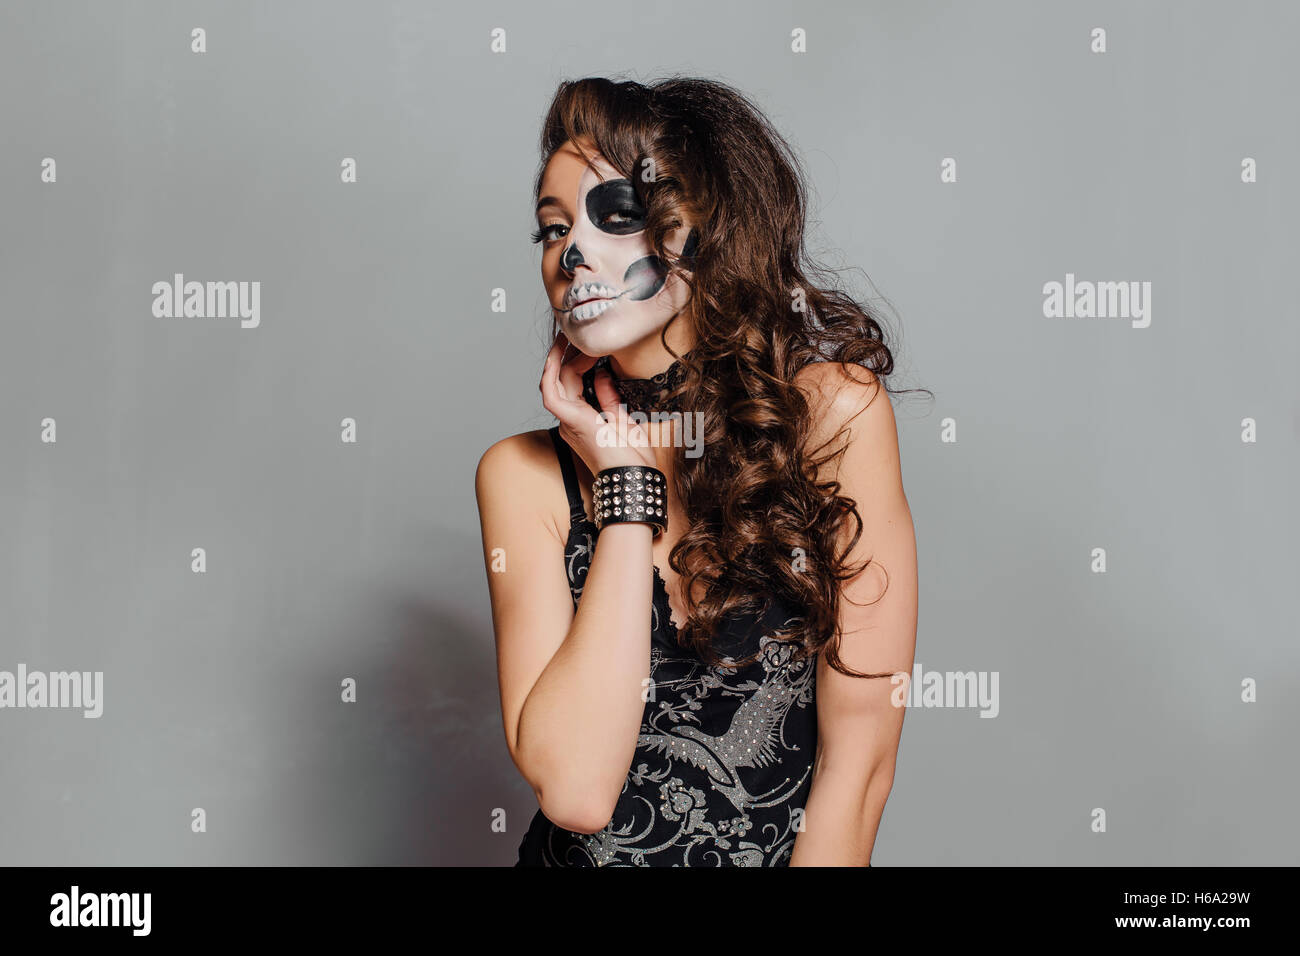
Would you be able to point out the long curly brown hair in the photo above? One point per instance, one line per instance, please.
(752, 499)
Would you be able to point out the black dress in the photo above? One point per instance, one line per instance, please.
(723, 763)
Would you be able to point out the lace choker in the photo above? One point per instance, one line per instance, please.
(639, 394)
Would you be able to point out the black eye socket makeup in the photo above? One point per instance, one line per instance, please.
(612, 207)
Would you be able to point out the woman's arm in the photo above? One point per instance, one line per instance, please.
(571, 683)
(858, 726)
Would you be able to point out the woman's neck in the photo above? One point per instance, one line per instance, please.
(646, 375)
(648, 358)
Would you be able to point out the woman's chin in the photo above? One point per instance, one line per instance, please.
(598, 337)
(583, 339)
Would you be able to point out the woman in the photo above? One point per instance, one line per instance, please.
(733, 710)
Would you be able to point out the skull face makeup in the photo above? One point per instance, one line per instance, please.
(608, 289)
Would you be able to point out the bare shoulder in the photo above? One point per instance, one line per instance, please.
(531, 451)
(852, 399)
(520, 474)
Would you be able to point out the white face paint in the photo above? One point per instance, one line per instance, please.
(608, 288)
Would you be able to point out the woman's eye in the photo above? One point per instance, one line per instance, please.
(619, 216)
(547, 233)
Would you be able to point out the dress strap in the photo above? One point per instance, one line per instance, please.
(577, 510)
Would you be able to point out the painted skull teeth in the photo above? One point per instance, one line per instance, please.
(591, 290)
(589, 310)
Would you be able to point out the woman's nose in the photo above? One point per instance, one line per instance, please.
(572, 258)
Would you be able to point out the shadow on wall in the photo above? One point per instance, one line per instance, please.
(411, 773)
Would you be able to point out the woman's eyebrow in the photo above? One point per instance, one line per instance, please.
(547, 201)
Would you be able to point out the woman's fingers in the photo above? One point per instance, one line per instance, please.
(550, 383)
(606, 394)
(571, 373)
(598, 440)
(561, 383)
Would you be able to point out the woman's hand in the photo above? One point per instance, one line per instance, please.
(601, 444)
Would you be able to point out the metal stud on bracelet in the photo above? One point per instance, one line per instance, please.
(630, 493)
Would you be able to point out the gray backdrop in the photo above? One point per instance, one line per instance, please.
(329, 559)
